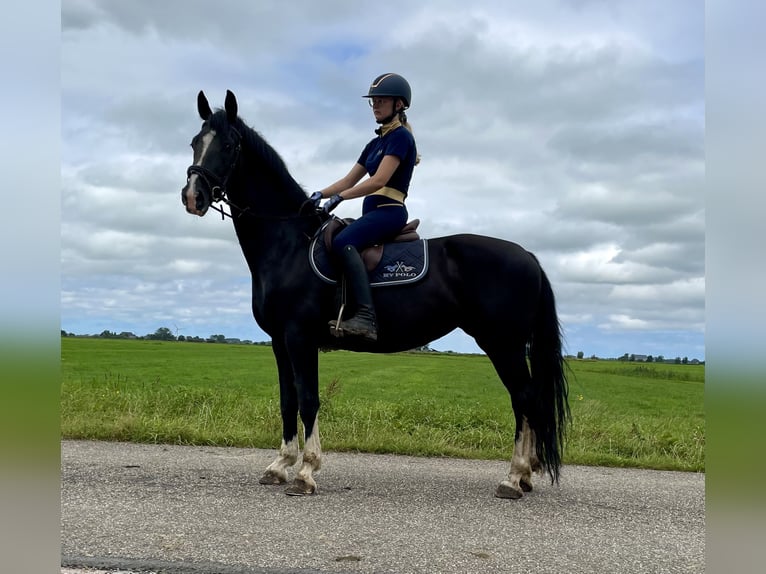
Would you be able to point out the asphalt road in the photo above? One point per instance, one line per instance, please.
(192, 510)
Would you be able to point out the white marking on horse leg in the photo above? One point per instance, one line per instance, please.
(276, 472)
(521, 465)
(312, 461)
(520, 475)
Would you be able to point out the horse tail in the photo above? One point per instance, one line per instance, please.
(549, 383)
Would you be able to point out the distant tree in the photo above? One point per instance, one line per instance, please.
(632, 358)
(217, 338)
(106, 334)
(162, 334)
(181, 338)
(660, 359)
(649, 359)
(677, 360)
(580, 354)
(685, 361)
(625, 357)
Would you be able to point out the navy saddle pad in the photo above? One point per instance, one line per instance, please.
(401, 263)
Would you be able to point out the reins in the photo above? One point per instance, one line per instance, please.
(218, 191)
(247, 211)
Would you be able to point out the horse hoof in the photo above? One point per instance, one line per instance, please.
(525, 485)
(272, 478)
(505, 490)
(300, 487)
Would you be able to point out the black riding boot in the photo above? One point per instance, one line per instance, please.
(363, 323)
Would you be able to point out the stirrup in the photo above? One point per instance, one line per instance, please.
(335, 324)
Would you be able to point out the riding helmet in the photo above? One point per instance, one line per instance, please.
(391, 85)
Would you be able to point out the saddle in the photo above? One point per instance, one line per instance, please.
(372, 255)
(404, 259)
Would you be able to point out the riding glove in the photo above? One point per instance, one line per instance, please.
(332, 203)
(315, 198)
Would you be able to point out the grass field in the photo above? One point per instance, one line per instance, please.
(427, 404)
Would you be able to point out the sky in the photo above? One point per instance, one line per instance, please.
(573, 127)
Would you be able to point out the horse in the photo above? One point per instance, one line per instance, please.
(494, 290)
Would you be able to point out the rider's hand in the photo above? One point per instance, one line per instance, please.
(332, 203)
(315, 198)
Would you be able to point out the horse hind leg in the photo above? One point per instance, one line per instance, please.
(524, 461)
(514, 373)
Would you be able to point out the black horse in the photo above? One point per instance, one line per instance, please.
(492, 289)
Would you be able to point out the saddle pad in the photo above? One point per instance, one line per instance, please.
(405, 262)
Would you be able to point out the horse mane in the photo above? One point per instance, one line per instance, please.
(261, 148)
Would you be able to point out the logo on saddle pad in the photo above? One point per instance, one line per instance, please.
(395, 263)
(399, 270)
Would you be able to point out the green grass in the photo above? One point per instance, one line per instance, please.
(648, 416)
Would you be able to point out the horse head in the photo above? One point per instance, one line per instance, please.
(227, 152)
(216, 148)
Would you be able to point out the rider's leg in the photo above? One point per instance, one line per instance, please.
(362, 324)
(374, 227)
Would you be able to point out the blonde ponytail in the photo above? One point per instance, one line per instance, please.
(405, 123)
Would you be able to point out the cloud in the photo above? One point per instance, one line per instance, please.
(573, 128)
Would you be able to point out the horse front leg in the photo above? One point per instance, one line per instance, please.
(276, 472)
(304, 482)
(304, 358)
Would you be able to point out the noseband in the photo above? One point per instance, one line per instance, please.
(213, 182)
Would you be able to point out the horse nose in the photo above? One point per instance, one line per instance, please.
(193, 201)
(190, 200)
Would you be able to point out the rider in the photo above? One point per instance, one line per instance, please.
(389, 160)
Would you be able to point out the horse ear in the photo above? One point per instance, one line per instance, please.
(231, 106)
(203, 107)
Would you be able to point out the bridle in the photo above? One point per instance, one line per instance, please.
(213, 182)
(218, 193)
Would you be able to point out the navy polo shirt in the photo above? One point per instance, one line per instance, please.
(398, 142)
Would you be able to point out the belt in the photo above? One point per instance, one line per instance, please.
(390, 192)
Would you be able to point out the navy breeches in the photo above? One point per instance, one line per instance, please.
(376, 226)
